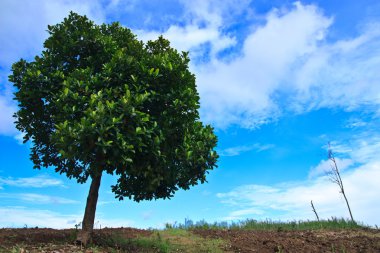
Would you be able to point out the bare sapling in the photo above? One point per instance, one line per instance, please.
(316, 214)
(336, 178)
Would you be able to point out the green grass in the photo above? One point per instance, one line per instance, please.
(180, 237)
(299, 225)
(165, 241)
(333, 223)
(182, 240)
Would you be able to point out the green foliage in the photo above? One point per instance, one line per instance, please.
(97, 99)
(143, 244)
(172, 240)
(333, 223)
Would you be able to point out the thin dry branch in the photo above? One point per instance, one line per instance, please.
(316, 214)
(335, 177)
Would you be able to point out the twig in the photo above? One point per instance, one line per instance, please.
(312, 206)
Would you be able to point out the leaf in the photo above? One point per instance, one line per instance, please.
(66, 91)
(119, 117)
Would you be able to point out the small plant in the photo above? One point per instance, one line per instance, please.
(168, 226)
(279, 249)
(77, 226)
(17, 249)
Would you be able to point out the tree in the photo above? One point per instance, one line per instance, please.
(335, 178)
(98, 100)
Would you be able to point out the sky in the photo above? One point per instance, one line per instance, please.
(278, 80)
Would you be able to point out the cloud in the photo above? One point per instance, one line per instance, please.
(7, 106)
(38, 198)
(191, 38)
(242, 91)
(364, 148)
(325, 166)
(33, 182)
(203, 30)
(7, 109)
(235, 151)
(340, 74)
(23, 37)
(19, 216)
(291, 201)
(289, 65)
(286, 63)
(355, 123)
(147, 215)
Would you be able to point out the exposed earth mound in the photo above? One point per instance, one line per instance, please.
(224, 240)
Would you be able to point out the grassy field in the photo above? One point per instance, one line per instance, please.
(333, 223)
(333, 235)
(168, 240)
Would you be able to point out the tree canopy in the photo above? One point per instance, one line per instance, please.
(99, 100)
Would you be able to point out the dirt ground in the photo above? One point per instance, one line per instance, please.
(30, 240)
(343, 241)
(33, 240)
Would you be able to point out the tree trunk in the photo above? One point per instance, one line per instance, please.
(85, 235)
(349, 209)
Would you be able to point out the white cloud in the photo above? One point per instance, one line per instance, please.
(23, 37)
(242, 91)
(291, 201)
(234, 151)
(191, 37)
(361, 149)
(288, 65)
(325, 166)
(113, 223)
(7, 109)
(19, 216)
(33, 182)
(147, 215)
(285, 65)
(355, 123)
(204, 24)
(341, 74)
(38, 198)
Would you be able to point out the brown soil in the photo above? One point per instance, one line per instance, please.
(342, 241)
(30, 240)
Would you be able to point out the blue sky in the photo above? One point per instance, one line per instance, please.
(277, 79)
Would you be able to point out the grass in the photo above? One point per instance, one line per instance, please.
(333, 224)
(182, 240)
(168, 240)
(179, 237)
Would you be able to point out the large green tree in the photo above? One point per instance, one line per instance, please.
(99, 100)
